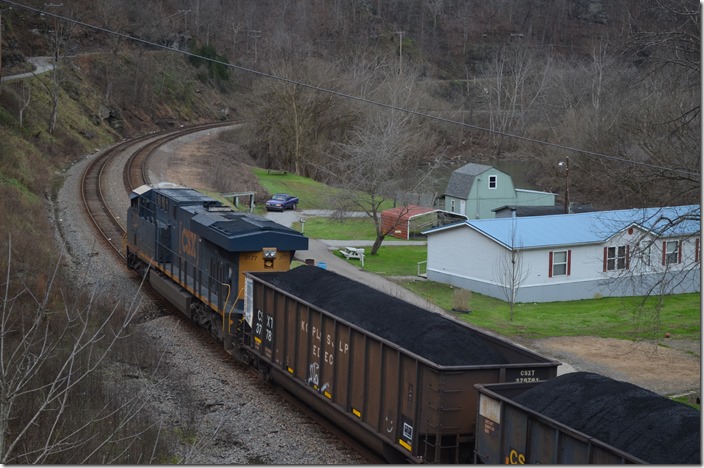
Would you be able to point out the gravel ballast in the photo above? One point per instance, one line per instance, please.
(237, 419)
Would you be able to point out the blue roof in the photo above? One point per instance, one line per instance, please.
(584, 228)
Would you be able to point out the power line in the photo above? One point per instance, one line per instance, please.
(361, 99)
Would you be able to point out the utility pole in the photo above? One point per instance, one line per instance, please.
(567, 185)
(255, 35)
(185, 20)
(400, 49)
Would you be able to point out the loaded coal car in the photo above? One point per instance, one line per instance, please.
(584, 418)
(197, 250)
(396, 376)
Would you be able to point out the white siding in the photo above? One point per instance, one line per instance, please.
(464, 258)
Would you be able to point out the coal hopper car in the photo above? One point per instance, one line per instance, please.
(196, 251)
(584, 418)
(396, 376)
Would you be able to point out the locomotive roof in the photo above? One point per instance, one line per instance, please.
(244, 232)
(231, 230)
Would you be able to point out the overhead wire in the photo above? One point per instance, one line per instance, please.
(340, 94)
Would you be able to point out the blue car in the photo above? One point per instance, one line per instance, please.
(281, 202)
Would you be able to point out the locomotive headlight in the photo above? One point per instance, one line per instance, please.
(269, 256)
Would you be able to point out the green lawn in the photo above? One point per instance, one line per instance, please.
(621, 318)
(312, 194)
(616, 317)
(346, 229)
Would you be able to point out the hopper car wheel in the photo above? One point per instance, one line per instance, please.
(263, 369)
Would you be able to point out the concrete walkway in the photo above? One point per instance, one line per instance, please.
(322, 251)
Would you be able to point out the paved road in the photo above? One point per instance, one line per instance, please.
(41, 65)
(322, 251)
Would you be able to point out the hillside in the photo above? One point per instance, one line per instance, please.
(423, 85)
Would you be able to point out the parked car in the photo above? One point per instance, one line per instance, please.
(281, 202)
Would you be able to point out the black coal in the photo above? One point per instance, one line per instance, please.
(630, 418)
(420, 331)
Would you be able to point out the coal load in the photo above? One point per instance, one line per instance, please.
(630, 418)
(417, 330)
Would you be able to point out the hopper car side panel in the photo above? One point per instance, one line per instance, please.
(509, 433)
(367, 384)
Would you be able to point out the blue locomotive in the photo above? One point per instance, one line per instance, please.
(196, 251)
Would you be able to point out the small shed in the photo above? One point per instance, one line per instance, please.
(409, 221)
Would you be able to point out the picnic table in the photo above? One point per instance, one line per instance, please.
(353, 252)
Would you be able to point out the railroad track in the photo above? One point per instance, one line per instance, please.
(111, 233)
(93, 188)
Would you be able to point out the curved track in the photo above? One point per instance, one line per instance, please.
(95, 202)
(93, 186)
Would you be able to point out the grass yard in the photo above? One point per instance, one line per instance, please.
(346, 229)
(615, 317)
(312, 194)
(622, 318)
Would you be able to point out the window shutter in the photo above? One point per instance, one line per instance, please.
(550, 262)
(628, 257)
(605, 254)
(696, 250)
(569, 262)
(664, 252)
(679, 251)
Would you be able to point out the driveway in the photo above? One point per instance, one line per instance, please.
(41, 65)
(321, 251)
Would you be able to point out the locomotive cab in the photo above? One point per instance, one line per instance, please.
(197, 250)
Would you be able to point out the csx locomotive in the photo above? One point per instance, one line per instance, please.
(198, 250)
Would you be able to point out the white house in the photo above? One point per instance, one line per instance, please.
(571, 256)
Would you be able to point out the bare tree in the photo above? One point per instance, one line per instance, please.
(513, 85)
(510, 271)
(295, 125)
(24, 96)
(48, 354)
(59, 35)
(386, 155)
(662, 257)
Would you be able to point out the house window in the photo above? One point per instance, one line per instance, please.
(492, 181)
(671, 252)
(452, 206)
(560, 263)
(616, 258)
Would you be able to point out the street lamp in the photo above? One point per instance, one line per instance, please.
(566, 165)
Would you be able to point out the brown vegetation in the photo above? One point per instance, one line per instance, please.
(326, 83)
